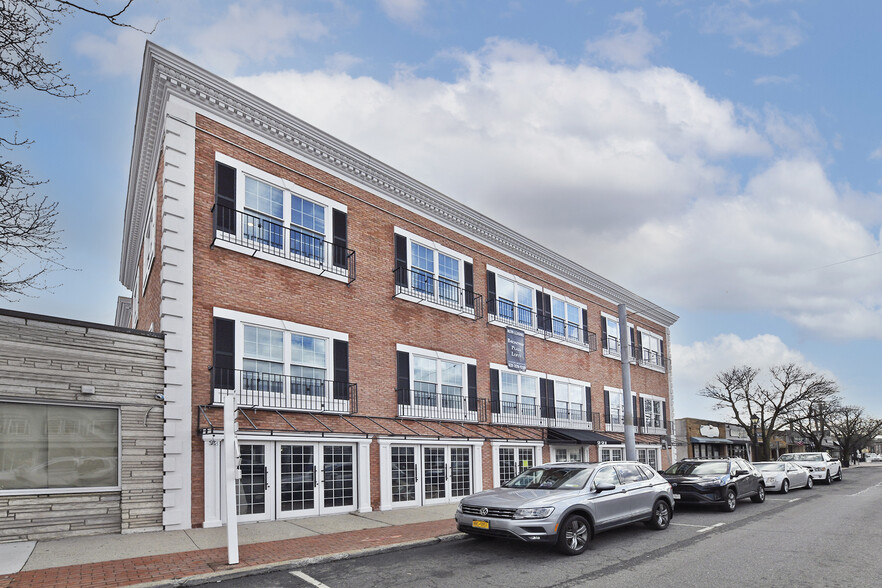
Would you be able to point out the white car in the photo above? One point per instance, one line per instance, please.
(781, 476)
(872, 457)
(822, 465)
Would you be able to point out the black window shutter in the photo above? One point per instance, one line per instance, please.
(401, 260)
(473, 387)
(639, 348)
(603, 342)
(540, 311)
(606, 405)
(341, 370)
(494, 390)
(633, 351)
(634, 405)
(491, 293)
(546, 311)
(340, 238)
(585, 327)
(403, 378)
(661, 346)
(469, 282)
(588, 416)
(665, 415)
(225, 197)
(224, 354)
(546, 398)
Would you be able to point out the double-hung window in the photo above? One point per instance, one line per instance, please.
(514, 302)
(263, 359)
(307, 228)
(437, 383)
(565, 319)
(308, 366)
(610, 335)
(651, 352)
(434, 274)
(653, 413)
(518, 394)
(264, 213)
(616, 408)
(430, 272)
(569, 401)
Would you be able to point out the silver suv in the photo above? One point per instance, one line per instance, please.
(567, 503)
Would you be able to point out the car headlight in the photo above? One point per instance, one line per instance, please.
(711, 482)
(770, 480)
(459, 506)
(533, 513)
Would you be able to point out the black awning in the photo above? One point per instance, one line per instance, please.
(714, 440)
(578, 436)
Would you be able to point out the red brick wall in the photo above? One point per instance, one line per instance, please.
(148, 307)
(365, 309)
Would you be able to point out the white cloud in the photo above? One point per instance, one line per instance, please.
(119, 55)
(697, 365)
(629, 44)
(253, 31)
(632, 173)
(759, 35)
(772, 80)
(409, 12)
(876, 154)
(339, 62)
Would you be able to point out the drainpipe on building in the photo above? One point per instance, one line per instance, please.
(624, 350)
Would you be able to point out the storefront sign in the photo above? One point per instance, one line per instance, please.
(515, 352)
(709, 431)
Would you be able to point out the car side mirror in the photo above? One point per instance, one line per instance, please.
(741, 472)
(604, 487)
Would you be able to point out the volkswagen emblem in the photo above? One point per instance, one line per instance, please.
(484, 511)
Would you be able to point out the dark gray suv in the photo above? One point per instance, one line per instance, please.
(567, 503)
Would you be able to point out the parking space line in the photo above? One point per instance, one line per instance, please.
(688, 525)
(309, 579)
(711, 527)
(794, 499)
(866, 489)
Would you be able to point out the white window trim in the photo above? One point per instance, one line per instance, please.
(495, 445)
(438, 248)
(418, 411)
(149, 240)
(653, 430)
(647, 365)
(243, 169)
(534, 330)
(278, 324)
(606, 315)
(90, 489)
(385, 446)
(436, 354)
(582, 447)
(614, 426)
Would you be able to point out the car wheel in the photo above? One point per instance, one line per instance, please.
(760, 495)
(731, 501)
(785, 486)
(839, 477)
(810, 483)
(828, 480)
(575, 533)
(661, 516)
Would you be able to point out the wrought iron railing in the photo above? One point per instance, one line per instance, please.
(650, 358)
(647, 426)
(611, 347)
(273, 238)
(533, 415)
(550, 327)
(424, 286)
(427, 404)
(277, 391)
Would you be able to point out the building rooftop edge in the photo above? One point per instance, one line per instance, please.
(75, 323)
(166, 73)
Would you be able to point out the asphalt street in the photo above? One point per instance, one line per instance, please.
(827, 536)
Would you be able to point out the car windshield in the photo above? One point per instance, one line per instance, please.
(770, 467)
(698, 468)
(803, 457)
(563, 478)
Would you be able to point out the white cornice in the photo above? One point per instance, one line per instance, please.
(165, 74)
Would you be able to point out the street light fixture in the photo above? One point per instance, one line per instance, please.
(754, 421)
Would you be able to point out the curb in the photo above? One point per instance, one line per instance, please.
(298, 563)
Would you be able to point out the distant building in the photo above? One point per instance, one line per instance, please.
(708, 439)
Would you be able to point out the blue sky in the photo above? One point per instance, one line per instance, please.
(719, 158)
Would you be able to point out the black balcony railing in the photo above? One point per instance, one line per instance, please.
(550, 327)
(644, 425)
(427, 404)
(530, 414)
(273, 238)
(611, 347)
(425, 286)
(648, 357)
(277, 391)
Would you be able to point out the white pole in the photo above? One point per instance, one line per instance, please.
(624, 349)
(230, 470)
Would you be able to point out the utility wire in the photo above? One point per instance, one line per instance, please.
(845, 261)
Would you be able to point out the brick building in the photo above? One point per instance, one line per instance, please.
(360, 317)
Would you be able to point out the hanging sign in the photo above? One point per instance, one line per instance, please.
(515, 352)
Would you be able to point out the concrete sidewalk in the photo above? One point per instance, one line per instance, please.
(199, 555)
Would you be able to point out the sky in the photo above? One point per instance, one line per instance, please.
(721, 159)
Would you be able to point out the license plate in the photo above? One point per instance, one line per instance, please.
(676, 497)
(481, 524)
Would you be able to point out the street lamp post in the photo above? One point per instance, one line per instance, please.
(754, 420)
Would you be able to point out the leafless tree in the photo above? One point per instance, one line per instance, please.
(789, 388)
(29, 241)
(853, 431)
(811, 420)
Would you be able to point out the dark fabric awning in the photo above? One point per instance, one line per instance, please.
(578, 436)
(711, 440)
